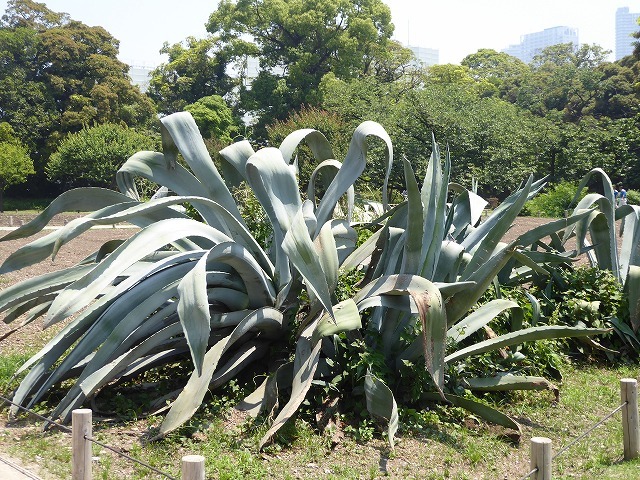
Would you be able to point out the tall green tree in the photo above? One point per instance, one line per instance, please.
(214, 119)
(15, 163)
(196, 68)
(298, 42)
(60, 75)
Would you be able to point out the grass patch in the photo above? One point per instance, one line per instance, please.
(442, 450)
(26, 205)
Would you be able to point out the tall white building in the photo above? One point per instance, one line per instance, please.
(141, 76)
(532, 44)
(425, 57)
(626, 25)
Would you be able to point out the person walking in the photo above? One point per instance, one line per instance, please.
(621, 196)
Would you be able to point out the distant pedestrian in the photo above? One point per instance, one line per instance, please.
(621, 195)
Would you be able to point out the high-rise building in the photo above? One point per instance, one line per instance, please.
(141, 76)
(626, 25)
(532, 44)
(425, 57)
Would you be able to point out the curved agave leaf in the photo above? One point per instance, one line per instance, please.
(194, 391)
(153, 166)
(80, 293)
(79, 199)
(380, 403)
(193, 303)
(180, 134)
(629, 253)
(116, 303)
(236, 155)
(607, 207)
(526, 335)
(484, 411)
(478, 319)
(352, 168)
(316, 141)
(331, 165)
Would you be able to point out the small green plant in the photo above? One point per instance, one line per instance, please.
(554, 203)
(633, 197)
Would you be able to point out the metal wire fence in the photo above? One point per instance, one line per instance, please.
(90, 439)
(541, 458)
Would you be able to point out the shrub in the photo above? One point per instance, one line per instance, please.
(554, 203)
(633, 197)
(92, 156)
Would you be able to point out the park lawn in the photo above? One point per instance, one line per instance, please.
(442, 449)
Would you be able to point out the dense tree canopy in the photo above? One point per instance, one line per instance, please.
(59, 75)
(15, 164)
(300, 41)
(194, 70)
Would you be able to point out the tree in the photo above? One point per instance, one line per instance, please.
(300, 41)
(59, 75)
(214, 119)
(502, 70)
(15, 164)
(195, 70)
(92, 156)
(565, 78)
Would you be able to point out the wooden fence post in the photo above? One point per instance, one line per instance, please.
(630, 431)
(541, 458)
(193, 467)
(81, 457)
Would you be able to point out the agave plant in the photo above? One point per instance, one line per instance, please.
(207, 292)
(596, 237)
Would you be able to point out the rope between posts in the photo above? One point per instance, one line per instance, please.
(577, 439)
(37, 415)
(89, 439)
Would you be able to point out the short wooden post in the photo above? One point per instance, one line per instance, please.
(541, 458)
(81, 430)
(11, 220)
(630, 430)
(193, 467)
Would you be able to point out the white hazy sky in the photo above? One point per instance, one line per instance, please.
(455, 27)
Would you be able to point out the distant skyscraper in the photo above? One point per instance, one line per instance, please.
(425, 56)
(140, 76)
(532, 44)
(626, 25)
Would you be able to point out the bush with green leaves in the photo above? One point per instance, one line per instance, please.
(553, 204)
(633, 197)
(283, 315)
(92, 156)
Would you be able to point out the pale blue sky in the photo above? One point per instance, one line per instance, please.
(455, 27)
